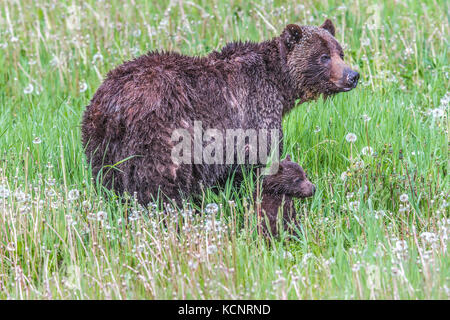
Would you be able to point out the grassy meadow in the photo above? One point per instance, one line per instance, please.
(378, 226)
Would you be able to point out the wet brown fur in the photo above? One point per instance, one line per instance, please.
(276, 198)
(245, 85)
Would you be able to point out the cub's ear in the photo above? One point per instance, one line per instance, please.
(291, 35)
(328, 25)
(288, 158)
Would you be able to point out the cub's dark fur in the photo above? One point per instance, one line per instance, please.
(277, 194)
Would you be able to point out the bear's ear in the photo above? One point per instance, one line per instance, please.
(328, 25)
(288, 158)
(291, 35)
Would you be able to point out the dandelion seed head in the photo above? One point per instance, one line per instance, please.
(73, 195)
(367, 151)
(211, 208)
(11, 246)
(101, 215)
(37, 140)
(211, 249)
(4, 192)
(28, 89)
(83, 87)
(404, 198)
(351, 137)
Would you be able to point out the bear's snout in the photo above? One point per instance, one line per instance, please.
(351, 78)
(308, 189)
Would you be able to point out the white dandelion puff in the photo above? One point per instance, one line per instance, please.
(367, 151)
(437, 113)
(73, 195)
(366, 118)
(135, 215)
(211, 249)
(211, 208)
(351, 137)
(404, 197)
(101, 215)
(28, 89)
(83, 87)
(11, 247)
(97, 57)
(37, 140)
(4, 192)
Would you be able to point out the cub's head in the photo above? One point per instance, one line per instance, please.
(290, 180)
(315, 60)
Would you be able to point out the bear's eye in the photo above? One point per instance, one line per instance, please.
(341, 55)
(325, 58)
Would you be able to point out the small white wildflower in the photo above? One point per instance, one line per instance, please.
(409, 51)
(192, 264)
(20, 196)
(101, 215)
(359, 164)
(403, 208)
(98, 56)
(351, 137)
(4, 192)
(437, 113)
(429, 237)
(73, 195)
(211, 249)
(367, 151)
(86, 204)
(354, 205)
(70, 221)
(37, 140)
(344, 175)
(363, 189)
(211, 208)
(404, 197)
(401, 245)
(287, 255)
(11, 247)
(395, 271)
(366, 118)
(28, 89)
(55, 62)
(135, 215)
(317, 130)
(306, 257)
(356, 267)
(365, 42)
(83, 87)
(136, 33)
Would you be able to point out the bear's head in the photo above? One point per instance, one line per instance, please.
(315, 61)
(290, 180)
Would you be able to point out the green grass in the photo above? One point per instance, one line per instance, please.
(359, 240)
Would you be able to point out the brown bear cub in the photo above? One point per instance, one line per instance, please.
(278, 192)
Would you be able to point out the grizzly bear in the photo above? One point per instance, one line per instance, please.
(129, 126)
(277, 194)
